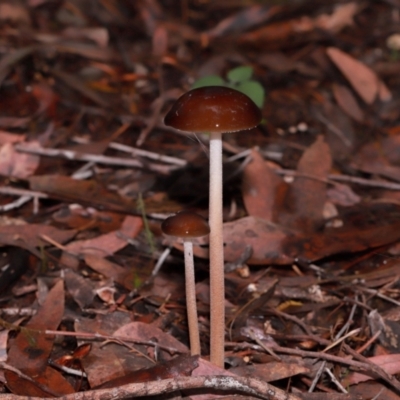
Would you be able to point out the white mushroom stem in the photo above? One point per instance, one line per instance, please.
(191, 306)
(217, 290)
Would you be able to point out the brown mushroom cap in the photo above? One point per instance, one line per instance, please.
(185, 224)
(213, 109)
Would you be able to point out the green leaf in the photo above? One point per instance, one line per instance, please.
(211, 80)
(240, 74)
(254, 90)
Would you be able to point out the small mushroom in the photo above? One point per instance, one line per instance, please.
(215, 110)
(187, 225)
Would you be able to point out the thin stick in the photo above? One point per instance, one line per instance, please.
(335, 381)
(369, 342)
(77, 156)
(317, 376)
(236, 384)
(140, 152)
(343, 178)
(15, 204)
(380, 295)
(340, 340)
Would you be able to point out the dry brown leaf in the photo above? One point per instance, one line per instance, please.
(176, 368)
(343, 195)
(372, 390)
(46, 98)
(13, 122)
(8, 137)
(29, 236)
(384, 92)
(16, 13)
(259, 184)
(347, 102)
(342, 16)
(307, 194)
(18, 165)
(362, 78)
(264, 238)
(103, 245)
(243, 20)
(160, 41)
(273, 371)
(81, 289)
(78, 217)
(381, 158)
(30, 350)
(123, 276)
(93, 193)
(98, 35)
(48, 316)
(142, 332)
(106, 362)
(310, 194)
(388, 362)
(296, 29)
(274, 244)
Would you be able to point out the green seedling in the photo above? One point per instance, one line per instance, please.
(137, 280)
(239, 78)
(148, 233)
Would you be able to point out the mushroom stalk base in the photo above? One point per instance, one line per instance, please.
(191, 306)
(217, 290)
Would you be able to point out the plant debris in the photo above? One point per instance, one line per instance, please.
(92, 295)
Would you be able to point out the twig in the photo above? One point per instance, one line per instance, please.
(84, 172)
(294, 319)
(380, 295)
(365, 182)
(335, 381)
(15, 204)
(367, 364)
(336, 342)
(348, 322)
(249, 386)
(369, 342)
(347, 299)
(140, 152)
(68, 370)
(24, 197)
(342, 178)
(364, 365)
(317, 376)
(77, 156)
(323, 356)
(160, 262)
(98, 336)
(376, 397)
(266, 348)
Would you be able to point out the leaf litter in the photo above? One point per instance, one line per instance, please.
(93, 295)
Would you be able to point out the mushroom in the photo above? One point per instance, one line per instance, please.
(215, 110)
(187, 225)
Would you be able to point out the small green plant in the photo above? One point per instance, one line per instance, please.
(239, 78)
(148, 233)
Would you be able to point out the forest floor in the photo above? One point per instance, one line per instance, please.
(92, 294)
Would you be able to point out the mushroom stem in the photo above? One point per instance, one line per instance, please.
(217, 290)
(191, 306)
